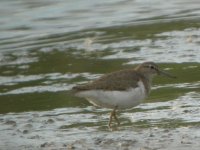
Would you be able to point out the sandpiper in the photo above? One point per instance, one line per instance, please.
(122, 89)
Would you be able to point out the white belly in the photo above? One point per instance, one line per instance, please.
(121, 99)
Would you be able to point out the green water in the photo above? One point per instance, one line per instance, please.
(47, 47)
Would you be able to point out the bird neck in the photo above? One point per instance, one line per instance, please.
(147, 80)
(148, 77)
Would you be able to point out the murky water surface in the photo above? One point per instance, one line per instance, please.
(47, 47)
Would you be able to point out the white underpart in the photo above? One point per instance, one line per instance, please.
(121, 99)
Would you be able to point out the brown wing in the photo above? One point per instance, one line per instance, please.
(120, 80)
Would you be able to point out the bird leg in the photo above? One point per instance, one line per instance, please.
(113, 114)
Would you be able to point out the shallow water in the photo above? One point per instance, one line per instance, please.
(47, 47)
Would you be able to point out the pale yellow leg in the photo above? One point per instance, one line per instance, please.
(110, 120)
(113, 114)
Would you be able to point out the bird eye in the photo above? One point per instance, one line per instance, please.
(152, 67)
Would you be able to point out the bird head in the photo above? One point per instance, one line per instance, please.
(150, 69)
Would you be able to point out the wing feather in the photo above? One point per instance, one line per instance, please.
(120, 80)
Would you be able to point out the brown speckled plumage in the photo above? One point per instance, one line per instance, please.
(120, 80)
